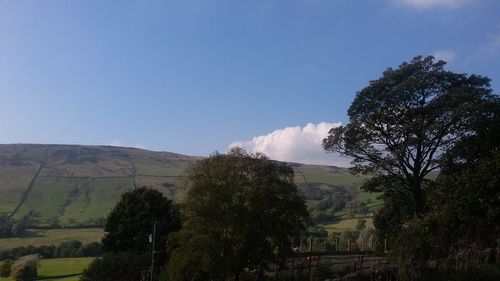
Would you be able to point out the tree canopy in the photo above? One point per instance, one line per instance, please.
(401, 124)
(239, 208)
(130, 223)
(126, 244)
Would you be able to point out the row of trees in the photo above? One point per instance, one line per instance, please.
(69, 249)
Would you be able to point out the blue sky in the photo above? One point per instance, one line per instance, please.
(196, 76)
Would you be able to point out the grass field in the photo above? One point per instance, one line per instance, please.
(325, 174)
(173, 168)
(72, 201)
(346, 225)
(51, 269)
(95, 200)
(52, 237)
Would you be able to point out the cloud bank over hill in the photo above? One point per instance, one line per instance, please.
(121, 144)
(296, 144)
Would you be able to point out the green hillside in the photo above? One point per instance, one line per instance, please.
(76, 186)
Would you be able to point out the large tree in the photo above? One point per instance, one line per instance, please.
(239, 208)
(401, 124)
(131, 221)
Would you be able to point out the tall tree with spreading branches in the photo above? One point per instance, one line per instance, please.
(401, 124)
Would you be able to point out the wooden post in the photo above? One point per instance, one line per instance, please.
(337, 244)
(385, 244)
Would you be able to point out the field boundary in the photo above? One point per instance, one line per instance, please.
(60, 276)
(32, 183)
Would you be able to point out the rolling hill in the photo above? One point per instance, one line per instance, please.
(77, 185)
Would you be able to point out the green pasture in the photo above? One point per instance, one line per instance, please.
(60, 269)
(171, 168)
(72, 201)
(346, 225)
(325, 174)
(95, 200)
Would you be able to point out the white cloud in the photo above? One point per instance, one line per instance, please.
(115, 143)
(427, 4)
(296, 144)
(445, 55)
(120, 143)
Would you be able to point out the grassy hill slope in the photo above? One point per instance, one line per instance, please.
(76, 186)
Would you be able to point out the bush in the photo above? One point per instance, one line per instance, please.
(25, 268)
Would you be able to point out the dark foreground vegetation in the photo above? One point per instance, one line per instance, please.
(414, 120)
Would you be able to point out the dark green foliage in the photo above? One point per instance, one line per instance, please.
(131, 221)
(324, 211)
(401, 123)
(5, 268)
(128, 227)
(325, 204)
(361, 224)
(239, 208)
(6, 224)
(467, 202)
(461, 224)
(390, 218)
(125, 266)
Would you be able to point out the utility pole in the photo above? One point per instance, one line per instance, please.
(310, 258)
(293, 260)
(152, 239)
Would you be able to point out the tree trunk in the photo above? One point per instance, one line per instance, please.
(419, 201)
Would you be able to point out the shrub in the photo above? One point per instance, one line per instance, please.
(25, 268)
